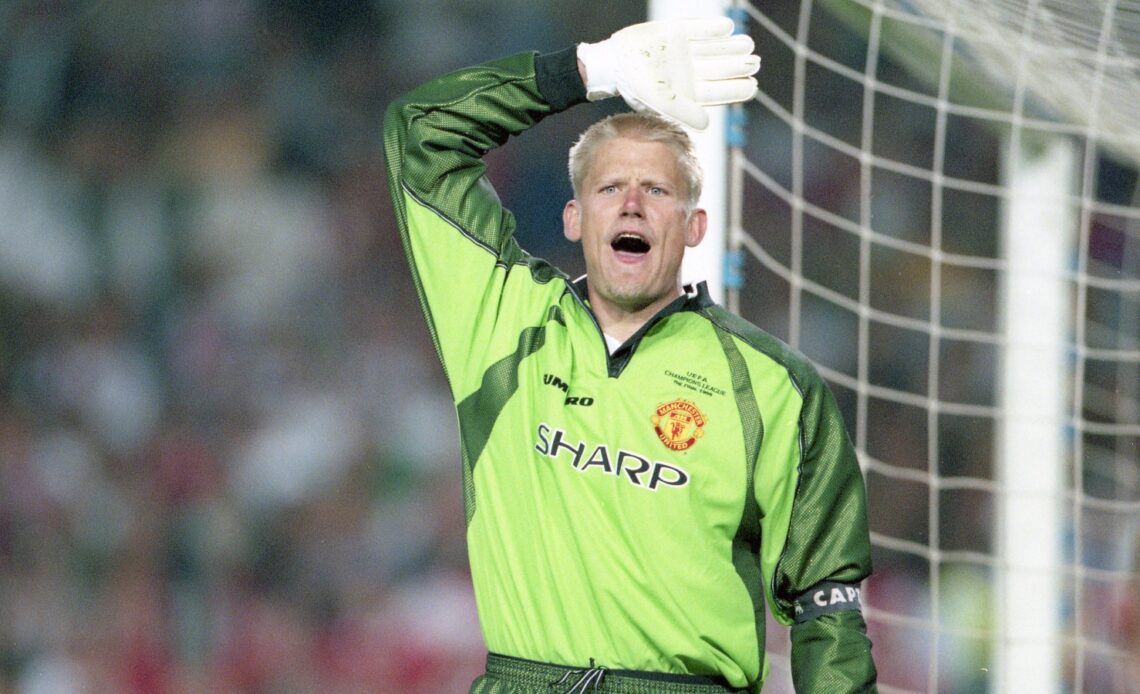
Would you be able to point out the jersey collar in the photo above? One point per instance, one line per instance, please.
(695, 298)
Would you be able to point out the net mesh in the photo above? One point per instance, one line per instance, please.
(1079, 58)
(869, 185)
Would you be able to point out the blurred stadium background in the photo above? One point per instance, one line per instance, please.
(227, 458)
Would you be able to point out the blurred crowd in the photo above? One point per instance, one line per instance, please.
(227, 458)
(228, 462)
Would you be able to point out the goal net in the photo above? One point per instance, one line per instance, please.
(936, 201)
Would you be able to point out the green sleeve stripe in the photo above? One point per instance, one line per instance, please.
(752, 425)
(474, 238)
(479, 410)
(746, 543)
(785, 603)
(783, 369)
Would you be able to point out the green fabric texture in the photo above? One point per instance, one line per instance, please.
(640, 510)
(506, 675)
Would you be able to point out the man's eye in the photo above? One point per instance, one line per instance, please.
(609, 189)
(656, 190)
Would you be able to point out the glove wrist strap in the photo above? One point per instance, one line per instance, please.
(601, 64)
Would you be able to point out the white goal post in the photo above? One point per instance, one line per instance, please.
(706, 261)
(1038, 241)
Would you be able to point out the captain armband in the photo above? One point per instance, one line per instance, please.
(826, 598)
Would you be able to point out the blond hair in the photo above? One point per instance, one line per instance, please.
(644, 127)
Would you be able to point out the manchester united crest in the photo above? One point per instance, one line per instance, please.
(678, 424)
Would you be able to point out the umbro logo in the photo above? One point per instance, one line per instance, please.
(556, 382)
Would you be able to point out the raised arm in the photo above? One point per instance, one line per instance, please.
(458, 238)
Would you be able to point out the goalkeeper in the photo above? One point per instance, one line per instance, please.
(642, 469)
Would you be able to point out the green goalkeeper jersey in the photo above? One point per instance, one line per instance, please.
(634, 508)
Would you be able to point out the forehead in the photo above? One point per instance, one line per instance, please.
(626, 156)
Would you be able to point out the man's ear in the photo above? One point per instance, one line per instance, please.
(572, 221)
(698, 225)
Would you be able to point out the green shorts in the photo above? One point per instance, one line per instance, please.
(509, 675)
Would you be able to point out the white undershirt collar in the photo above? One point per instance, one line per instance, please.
(612, 343)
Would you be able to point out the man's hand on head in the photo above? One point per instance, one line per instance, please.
(674, 68)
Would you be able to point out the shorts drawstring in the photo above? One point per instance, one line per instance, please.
(589, 679)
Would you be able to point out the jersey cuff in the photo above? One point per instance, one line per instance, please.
(827, 597)
(558, 80)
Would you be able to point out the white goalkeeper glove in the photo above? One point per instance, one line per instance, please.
(673, 67)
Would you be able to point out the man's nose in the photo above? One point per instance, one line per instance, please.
(631, 204)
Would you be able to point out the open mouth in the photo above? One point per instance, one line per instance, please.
(630, 243)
